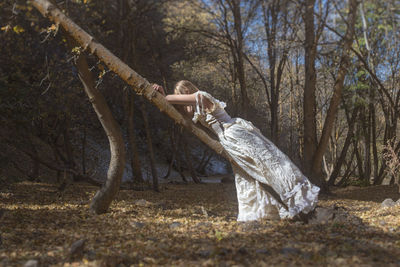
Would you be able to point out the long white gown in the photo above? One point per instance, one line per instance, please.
(260, 161)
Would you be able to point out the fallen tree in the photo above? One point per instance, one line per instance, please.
(139, 84)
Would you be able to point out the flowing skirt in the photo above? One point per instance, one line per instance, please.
(260, 161)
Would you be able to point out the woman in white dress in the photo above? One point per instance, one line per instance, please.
(259, 162)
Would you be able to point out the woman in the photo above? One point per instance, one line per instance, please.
(258, 161)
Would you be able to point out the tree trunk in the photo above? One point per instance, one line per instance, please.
(347, 143)
(316, 171)
(188, 158)
(70, 159)
(179, 157)
(83, 151)
(271, 11)
(366, 127)
(359, 159)
(34, 171)
(237, 20)
(205, 159)
(137, 175)
(374, 145)
(309, 102)
(103, 198)
(171, 131)
(150, 148)
(349, 170)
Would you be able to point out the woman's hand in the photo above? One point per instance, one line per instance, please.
(159, 89)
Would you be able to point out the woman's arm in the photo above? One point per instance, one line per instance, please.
(181, 99)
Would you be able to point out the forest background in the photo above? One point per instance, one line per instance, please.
(282, 64)
(320, 78)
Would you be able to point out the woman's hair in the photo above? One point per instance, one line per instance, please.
(185, 87)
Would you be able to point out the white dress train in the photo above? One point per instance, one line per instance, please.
(260, 161)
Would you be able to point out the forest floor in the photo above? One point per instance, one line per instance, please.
(190, 225)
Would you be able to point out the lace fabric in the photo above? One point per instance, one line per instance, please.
(259, 161)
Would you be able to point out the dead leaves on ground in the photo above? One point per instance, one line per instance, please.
(186, 225)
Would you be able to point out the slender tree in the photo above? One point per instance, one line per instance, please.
(316, 170)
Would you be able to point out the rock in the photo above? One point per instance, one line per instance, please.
(242, 250)
(76, 250)
(203, 210)
(150, 260)
(230, 218)
(382, 222)
(398, 202)
(307, 256)
(209, 262)
(110, 260)
(137, 224)
(142, 203)
(223, 251)
(175, 225)
(163, 206)
(340, 261)
(249, 226)
(91, 255)
(322, 215)
(204, 253)
(5, 262)
(388, 203)
(290, 251)
(204, 224)
(262, 251)
(31, 263)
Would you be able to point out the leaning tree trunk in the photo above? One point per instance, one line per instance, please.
(107, 192)
(139, 84)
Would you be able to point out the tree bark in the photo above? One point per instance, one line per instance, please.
(316, 171)
(271, 12)
(347, 143)
(374, 145)
(309, 102)
(103, 198)
(83, 151)
(137, 175)
(171, 131)
(188, 158)
(34, 171)
(366, 130)
(237, 20)
(150, 148)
